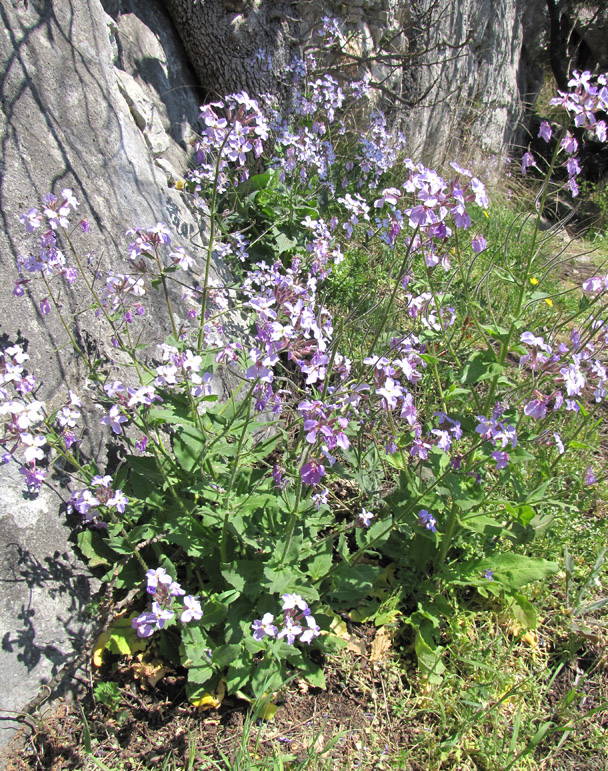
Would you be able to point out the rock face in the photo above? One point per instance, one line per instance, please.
(103, 105)
(449, 73)
(477, 70)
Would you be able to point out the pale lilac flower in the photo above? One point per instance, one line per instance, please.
(594, 284)
(293, 601)
(590, 476)
(478, 244)
(313, 630)
(114, 419)
(559, 444)
(193, 611)
(365, 517)
(501, 458)
(320, 499)
(527, 161)
(99, 481)
(569, 144)
(264, 627)
(545, 131)
(162, 614)
(32, 219)
(156, 576)
(291, 630)
(119, 500)
(181, 259)
(537, 408)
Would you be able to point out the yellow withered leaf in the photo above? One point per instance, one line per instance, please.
(99, 647)
(268, 710)
(120, 638)
(210, 700)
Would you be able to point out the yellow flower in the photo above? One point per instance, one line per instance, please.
(534, 281)
(486, 213)
(549, 302)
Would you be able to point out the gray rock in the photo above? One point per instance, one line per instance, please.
(102, 105)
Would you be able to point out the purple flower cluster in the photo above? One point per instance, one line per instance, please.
(499, 433)
(234, 129)
(297, 622)
(48, 261)
(165, 592)
(567, 374)
(99, 493)
(24, 416)
(587, 97)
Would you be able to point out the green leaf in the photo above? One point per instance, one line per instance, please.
(428, 653)
(225, 654)
(482, 365)
(188, 446)
(516, 570)
(96, 549)
(245, 576)
(123, 638)
(322, 562)
(480, 523)
(523, 610)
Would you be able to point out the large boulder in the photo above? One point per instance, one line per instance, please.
(102, 104)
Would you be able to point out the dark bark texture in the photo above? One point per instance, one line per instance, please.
(223, 37)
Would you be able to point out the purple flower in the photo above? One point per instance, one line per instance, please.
(478, 244)
(489, 574)
(427, 520)
(193, 610)
(144, 625)
(293, 601)
(114, 419)
(291, 630)
(365, 517)
(545, 131)
(119, 500)
(527, 161)
(569, 144)
(537, 408)
(156, 576)
(141, 444)
(312, 472)
(313, 630)
(45, 306)
(264, 627)
(501, 458)
(590, 476)
(33, 477)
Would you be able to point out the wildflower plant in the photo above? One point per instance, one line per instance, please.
(448, 418)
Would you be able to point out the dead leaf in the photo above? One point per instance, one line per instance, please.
(381, 645)
(354, 644)
(151, 671)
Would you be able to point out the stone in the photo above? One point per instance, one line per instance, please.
(104, 105)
